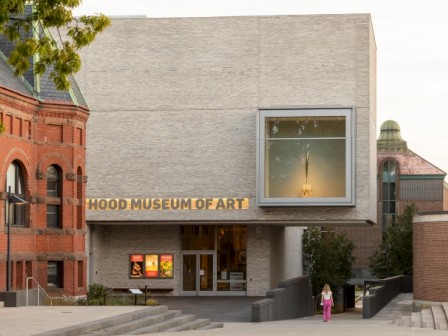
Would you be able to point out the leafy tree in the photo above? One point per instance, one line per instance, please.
(327, 259)
(61, 58)
(394, 254)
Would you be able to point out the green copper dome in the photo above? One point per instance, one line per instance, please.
(390, 137)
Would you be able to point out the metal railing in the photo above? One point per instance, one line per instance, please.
(39, 288)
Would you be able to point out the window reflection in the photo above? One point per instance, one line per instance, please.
(198, 237)
(54, 190)
(15, 182)
(230, 250)
(232, 254)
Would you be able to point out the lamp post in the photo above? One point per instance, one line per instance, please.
(12, 199)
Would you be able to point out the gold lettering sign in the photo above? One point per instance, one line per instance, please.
(167, 203)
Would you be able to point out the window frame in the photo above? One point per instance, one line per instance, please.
(59, 267)
(54, 216)
(349, 198)
(15, 213)
(54, 197)
(386, 197)
(54, 181)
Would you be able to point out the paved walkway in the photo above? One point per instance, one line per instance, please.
(26, 321)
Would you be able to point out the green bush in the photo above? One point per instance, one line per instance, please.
(327, 258)
(96, 295)
(394, 255)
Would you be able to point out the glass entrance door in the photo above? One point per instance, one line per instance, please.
(198, 273)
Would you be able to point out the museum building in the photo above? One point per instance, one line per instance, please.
(214, 142)
(42, 182)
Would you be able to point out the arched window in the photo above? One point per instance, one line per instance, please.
(388, 193)
(54, 197)
(53, 182)
(15, 183)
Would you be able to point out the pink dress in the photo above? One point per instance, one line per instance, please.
(326, 298)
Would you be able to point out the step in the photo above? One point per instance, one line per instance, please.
(192, 325)
(416, 320)
(399, 321)
(427, 318)
(163, 326)
(405, 321)
(143, 322)
(440, 320)
(93, 326)
(445, 308)
(124, 318)
(212, 325)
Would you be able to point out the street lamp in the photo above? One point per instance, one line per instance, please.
(12, 199)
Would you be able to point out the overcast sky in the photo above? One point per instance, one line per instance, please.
(412, 53)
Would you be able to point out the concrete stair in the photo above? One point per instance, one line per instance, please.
(435, 317)
(143, 321)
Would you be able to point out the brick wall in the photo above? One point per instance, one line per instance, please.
(188, 112)
(112, 246)
(430, 243)
(445, 197)
(36, 136)
(366, 240)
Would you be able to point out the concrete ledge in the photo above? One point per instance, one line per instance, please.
(382, 294)
(262, 310)
(292, 300)
(18, 298)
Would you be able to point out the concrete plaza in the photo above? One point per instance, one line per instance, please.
(27, 321)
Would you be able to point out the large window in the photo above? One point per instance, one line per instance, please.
(198, 237)
(15, 182)
(232, 248)
(54, 197)
(305, 157)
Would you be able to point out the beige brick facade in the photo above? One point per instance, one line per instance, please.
(174, 105)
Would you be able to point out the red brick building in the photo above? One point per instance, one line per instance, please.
(430, 241)
(42, 160)
(404, 178)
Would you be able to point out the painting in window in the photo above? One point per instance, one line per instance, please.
(305, 156)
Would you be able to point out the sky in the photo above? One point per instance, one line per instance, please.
(412, 53)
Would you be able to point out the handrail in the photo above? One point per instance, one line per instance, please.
(368, 284)
(38, 287)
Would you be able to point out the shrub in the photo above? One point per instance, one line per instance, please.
(327, 259)
(96, 295)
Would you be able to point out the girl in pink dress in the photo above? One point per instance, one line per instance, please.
(327, 302)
